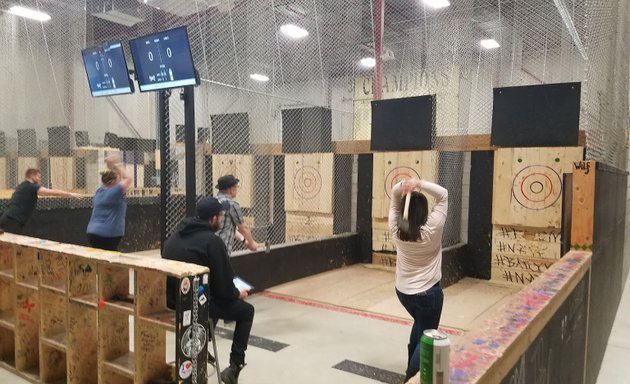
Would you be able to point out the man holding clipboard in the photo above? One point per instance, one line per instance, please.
(194, 241)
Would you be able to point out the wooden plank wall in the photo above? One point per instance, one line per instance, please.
(241, 167)
(527, 210)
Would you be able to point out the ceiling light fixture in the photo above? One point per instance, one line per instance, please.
(367, 62)
(259, 77)
(436, 4)
(29, 13)
(293, 31)
(489, 44)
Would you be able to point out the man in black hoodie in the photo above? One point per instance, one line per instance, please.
(195, 242)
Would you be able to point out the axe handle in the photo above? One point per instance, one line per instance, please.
(406, 210)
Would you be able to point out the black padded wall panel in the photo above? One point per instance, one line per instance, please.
(27, 143)
(230, 133)
(306, 130)
(403, 124)
(536, 116)
(59, 143)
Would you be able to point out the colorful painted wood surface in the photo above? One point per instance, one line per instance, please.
(308, 183)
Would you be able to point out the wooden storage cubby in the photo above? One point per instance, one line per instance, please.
(82, 281)
(67, 312)
(26, 266)
(52, 365)
(82, 344)
(27, 319)
(113, 287)
(53, 322)
(53, 272)
(7, 254)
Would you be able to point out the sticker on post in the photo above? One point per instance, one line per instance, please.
(202, 299)
(185, 369)
(186, 320)
(185, 286)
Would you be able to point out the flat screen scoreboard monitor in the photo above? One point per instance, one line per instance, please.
(106, 70)
(163, 60)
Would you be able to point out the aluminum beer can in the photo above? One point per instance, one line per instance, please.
(434, 357)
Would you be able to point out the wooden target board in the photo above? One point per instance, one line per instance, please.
(308, 183)
(527, 187)
(527, 211)
(62, 173)
(392, 167)
(304, 226)
(241, 167)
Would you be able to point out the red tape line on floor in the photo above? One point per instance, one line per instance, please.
(369, 315)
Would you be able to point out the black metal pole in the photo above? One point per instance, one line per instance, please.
(165, 157)
(189, 142)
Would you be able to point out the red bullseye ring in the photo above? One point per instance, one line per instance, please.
(537, 187)
(396, 175)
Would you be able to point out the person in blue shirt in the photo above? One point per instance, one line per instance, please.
(107, 224)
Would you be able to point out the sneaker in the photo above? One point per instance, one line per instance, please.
(230, 374)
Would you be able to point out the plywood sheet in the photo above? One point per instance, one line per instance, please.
(24, 163)
(392, 167)
(149, 352)
(381, 236)
(150, 297)
(62, 173)
(527, 185)
(520, 254)
(53, 269)
(52, 363)
(241, 167)
(3, 173)
(81, 345)
(26, 328)
(26, 265)
(82, 277)
(308, 182)
(308, 226)
(583, 205)
(53, 311)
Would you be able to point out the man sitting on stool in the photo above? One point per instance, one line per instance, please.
(195, 242)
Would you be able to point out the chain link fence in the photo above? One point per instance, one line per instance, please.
(271, 108)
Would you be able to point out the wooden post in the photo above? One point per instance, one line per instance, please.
(583, 205)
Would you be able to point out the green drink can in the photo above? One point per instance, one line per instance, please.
(434, 357)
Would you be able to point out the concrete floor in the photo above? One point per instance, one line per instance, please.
(346, 326)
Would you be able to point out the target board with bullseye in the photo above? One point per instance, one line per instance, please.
(308, 182)
(392, 167)
(241, 167)
(528, 185)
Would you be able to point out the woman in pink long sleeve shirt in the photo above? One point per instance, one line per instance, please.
(419, 259)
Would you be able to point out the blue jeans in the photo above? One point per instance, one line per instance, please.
(426, 309)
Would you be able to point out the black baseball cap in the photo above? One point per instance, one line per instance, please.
(210, 206)
(226, 182)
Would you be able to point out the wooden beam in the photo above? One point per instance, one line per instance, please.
(583, 205)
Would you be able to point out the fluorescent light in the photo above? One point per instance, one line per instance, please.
(368, 62)
(29, 13)
(489, 44)
(259, 77)
(293, 31)
(436, 4)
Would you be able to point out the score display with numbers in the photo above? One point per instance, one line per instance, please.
(106, 70)
(163, 60)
